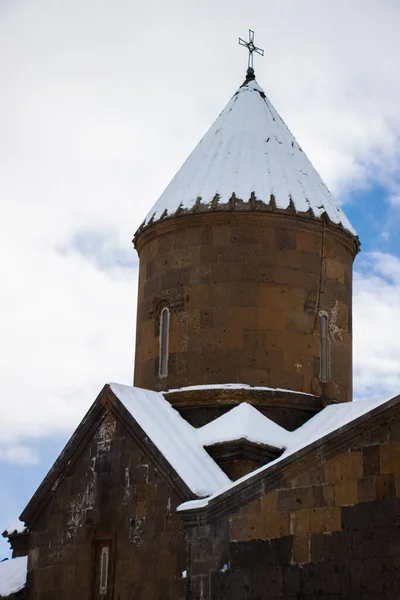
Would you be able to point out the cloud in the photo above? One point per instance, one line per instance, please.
(376, 326)
(19, 455)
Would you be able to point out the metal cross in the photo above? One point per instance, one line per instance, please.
(251, 47)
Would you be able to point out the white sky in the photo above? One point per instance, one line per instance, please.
(100, 104)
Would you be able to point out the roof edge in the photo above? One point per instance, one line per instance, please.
(267, 478)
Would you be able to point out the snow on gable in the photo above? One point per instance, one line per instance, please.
(329, 419)
(16, 526)
(244, 422)
(249, 152)
(174, 437)
(13, 575)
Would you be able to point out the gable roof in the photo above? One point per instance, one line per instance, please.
(174, 437)
(333, 420)
(13, 575)
(248, 154)
(243, 422)
(160, 432)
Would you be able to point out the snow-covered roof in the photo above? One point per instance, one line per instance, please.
(16, 526)
(249, 152)
(13, 575)
(243, 422)
(331, 418)
(174, 437)
(235, 386)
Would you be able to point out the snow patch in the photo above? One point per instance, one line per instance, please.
(174, 437)
(16, 526)
(244, 421)
(13, 575)
(332, 417)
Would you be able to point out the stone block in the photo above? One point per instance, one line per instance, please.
(390, 457)
(346, 492)
(385, 486)
(344, 467)
(367, 489)
(371, 460)
(295, 499)
(301, 549)
(300, 522)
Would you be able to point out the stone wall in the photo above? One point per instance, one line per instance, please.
(329, 532)
(112, 495)
(245, 291)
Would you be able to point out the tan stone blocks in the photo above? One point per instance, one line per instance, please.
(271, 320)
(228, 264)
(281, 297)
(325, 519)
(346, 492)
(390, 457)
(344, 467)
(324, 494)
(295, 499)
(334, 270)
(300, 522)
(277, 524)
(308, 241)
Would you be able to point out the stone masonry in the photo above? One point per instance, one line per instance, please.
(245, 292)
(328, 529)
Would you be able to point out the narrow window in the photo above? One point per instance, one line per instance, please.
(324, 348)
(104, 556)
(164, 330)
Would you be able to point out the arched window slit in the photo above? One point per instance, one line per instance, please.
(164, 333)
(324, 349)
(104, 558)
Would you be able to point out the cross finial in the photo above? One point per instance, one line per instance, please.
(251, 48)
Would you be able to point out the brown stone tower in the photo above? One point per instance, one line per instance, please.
(246, 270)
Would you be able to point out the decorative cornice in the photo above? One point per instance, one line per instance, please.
(214, 213)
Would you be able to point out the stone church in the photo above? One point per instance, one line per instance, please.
(237, 467)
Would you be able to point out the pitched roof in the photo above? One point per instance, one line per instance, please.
(149, 418)
(243, 422)
(331, 419)
(13, 575)
(174, 437)
(248, 152)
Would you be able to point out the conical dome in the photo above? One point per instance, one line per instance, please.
(248, 160)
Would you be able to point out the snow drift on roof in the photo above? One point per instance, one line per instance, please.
(332, 417)
(13, 575)
(249, 152)
(244, 422)
(174, 437)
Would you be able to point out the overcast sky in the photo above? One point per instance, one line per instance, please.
(100, 104)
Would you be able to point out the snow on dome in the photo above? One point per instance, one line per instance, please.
(13, 575)
(244, 422)
(249, 152)
(174, 437)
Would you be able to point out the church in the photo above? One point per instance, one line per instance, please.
(237, 466)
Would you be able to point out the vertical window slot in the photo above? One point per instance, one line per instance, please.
(164, 333)
(104, 559)
(324, 348)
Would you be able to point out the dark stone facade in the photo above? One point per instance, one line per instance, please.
(113, 494)
(245, 292)
(325, 525)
